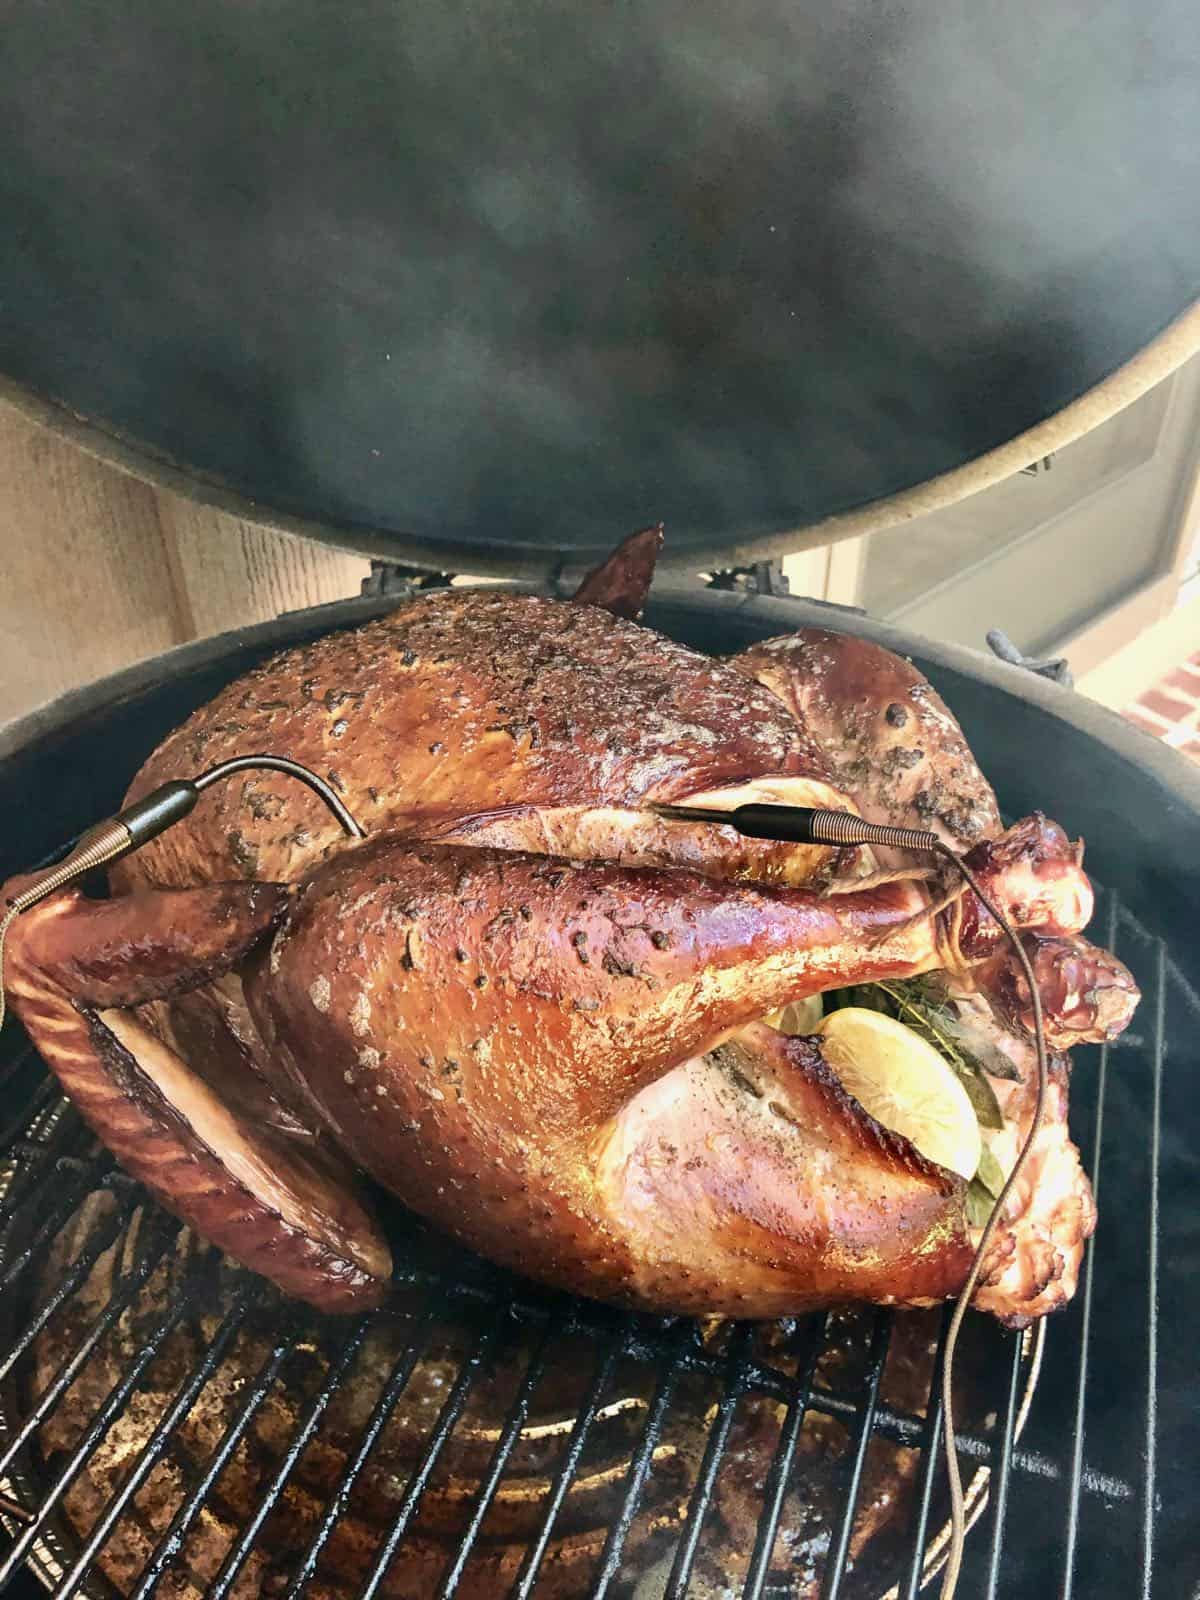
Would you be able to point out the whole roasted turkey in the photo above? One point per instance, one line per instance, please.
(533, 1009)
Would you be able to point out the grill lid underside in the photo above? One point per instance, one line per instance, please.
(484, 289)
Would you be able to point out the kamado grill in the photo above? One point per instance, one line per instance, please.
(170, 1420)
(480, 291)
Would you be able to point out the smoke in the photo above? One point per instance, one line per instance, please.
(540, 273)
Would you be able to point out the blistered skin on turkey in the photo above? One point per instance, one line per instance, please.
(475, 1025)
(467, 702)
(889, 738)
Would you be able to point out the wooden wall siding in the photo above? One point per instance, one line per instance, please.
(101, 570)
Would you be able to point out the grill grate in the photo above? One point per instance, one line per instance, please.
(622, 1455)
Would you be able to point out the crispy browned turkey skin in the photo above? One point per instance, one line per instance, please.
(531, 1008)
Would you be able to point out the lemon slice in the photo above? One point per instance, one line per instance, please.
(798, 1017)
(902, 1081)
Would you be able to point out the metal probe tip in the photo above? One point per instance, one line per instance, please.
(692, 814)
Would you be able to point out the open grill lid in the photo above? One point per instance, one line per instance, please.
(482, 289)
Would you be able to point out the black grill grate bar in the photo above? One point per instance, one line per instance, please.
(237, 1556)
(811, 1342)
(835, 1568)
(28, 1158)
(514, 1422)
(113, 1405)
(442, 1429)
(930, 1464)
(610, 1353)
(397, 1382)
(113, 1228)
(671, 1369)
(1179, 979)
(177, 1531)
(1035, 1465)
(1151, 1452)
(900, 1428)
(1078, 1431)
(77, 1360)
(10, 1508)
(158, 1441)
(42, 1099)
(8, 1071)
(714, 1452)
(1000, 1473)
(94, 1175)
(20, 1155)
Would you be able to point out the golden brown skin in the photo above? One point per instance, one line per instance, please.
(463, 703)
(544, 1057)
(889, 738)
(478, 1028)
(750, 1180)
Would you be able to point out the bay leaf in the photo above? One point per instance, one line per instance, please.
(990, 1173)
(979, 1203)
(974, 1042)
(981, 1095)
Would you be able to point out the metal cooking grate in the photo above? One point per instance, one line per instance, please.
(167, 1418)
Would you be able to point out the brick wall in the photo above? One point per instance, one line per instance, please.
(1171, 709)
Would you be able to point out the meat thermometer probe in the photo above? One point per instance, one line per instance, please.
(806, 825)
(153, 814)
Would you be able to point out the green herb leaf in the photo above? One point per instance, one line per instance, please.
(978, 1048)
(979, 1203)
(989, 1173)
(981, 1095)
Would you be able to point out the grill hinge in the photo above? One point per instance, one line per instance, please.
(767, 578)
(390, 579)
(1056, 668)
(761, 577)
